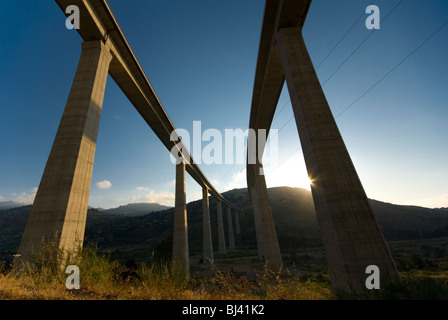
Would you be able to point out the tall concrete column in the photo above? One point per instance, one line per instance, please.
(237, 223)
(180, 236)
(257, 219)
(270, 242)
(230, 225)
(60, 208)
(221, 236)
(206, 229)
(351, 236)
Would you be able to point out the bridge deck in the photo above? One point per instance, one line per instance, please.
(269, 77)
(98, 23)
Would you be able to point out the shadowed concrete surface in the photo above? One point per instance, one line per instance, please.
(206, 228)
(230, 225)
(350, 233)
(221, 235)
(180, 234)
(60, 207)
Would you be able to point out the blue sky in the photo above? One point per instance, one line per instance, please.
(200, 58)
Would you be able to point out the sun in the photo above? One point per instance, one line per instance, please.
(291, 173)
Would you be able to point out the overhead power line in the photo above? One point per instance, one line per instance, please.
(343, 37)
(375, 84)
(394, 68)
(370, 88)
(360, 45)
(353, 52)
(281, 110)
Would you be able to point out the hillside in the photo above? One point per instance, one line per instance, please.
(4, 205)
(136, 209)
(296, 223)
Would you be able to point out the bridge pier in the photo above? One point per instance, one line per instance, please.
(181, 257)
(271, 248)
(257, 218)
(206, 229)
(350, 233)
(221, 236)
(59, 210)
(230, 226)
(237, 222)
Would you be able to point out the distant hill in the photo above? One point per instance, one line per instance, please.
(12, 224)
(136, 209)
(4, 205)
(139, 236)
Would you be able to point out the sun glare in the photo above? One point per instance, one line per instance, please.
(292, 173)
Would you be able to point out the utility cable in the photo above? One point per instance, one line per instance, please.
(394, 68)
(360, 45)
(340, 40)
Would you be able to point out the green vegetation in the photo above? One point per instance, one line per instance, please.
(136, 237)
(104, 278)
(131, 256)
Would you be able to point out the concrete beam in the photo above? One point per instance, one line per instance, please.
(230, 227)
(350, 233)
(221, 236)
(60, 207)
(269, 78)
(271, 248)
(237, 223)
(181, 257)
(345, 218)
(257, 218)
(206, 228)
(98, 23)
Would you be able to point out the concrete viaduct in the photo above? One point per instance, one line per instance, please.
(60, 208)
(351, 236)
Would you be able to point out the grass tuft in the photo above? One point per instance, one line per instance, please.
(102, 278)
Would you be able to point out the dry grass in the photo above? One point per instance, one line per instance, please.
(101, 278)
(161, 286)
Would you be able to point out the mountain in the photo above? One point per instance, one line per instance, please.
(136, 209)
(141, 236)
(4, 205)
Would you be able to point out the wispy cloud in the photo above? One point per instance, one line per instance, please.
(105, 184)
(25, 197)
(164, 198)
(142, 189)
(238, 180)
(194, 196)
